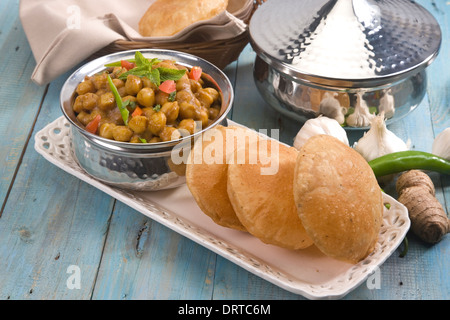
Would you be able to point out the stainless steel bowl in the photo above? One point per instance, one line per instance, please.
(144, 167)
(334, 57)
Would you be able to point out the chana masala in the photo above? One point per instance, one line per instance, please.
(146, 101)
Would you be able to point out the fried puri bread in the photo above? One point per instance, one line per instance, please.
(206, 173)
(168, 17)
(263, 199)
(338, 199)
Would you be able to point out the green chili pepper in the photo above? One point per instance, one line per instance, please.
(123, 109)
(118, 63)
(407, 160)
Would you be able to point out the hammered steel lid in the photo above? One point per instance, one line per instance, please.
(345, 43)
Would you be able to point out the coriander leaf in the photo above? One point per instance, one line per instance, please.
(172, 96)
(170, 74)
(143, 140)
(129, 103)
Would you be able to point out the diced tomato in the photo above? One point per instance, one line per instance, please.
(127, 64)
(168, 86)
(137, 112)
(195, 73)
(93, 125)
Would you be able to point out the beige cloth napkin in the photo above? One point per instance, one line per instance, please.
(62, 33)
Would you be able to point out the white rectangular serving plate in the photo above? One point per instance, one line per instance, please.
(306, 272)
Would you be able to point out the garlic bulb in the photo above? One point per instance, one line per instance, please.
(441, 144)
(320, 125)
(331, 107)
(361, 117)
(379, 141)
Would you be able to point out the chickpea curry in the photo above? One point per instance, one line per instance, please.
(146, 101)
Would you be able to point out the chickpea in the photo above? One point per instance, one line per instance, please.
(157, 122)
(154, 140)
(161, 97)
(122, 91)
(213, 113)
(87, 102)
(147, 135)
(118, 83)
(106, 130)
(203, 116)
(187, 125)
(133, 84)
(166, 64)
(122, 133)
(135, 139)
(195, 85)
(131, 98)
(185, 96)
(100, 81)
(115, 116)
(183, 84)
(146, 97)
(85, 87)
(138, 124)
(169, 133)
(106, 101)
(148, 112)
(101, 91)
(207, 96)
(187, 110)
(171, 110)
(84, 117)
(117, 71)
(146, 83)
(90, 101)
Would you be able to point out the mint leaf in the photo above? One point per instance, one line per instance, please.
(170, 74)
(154, 77)
(144, 68)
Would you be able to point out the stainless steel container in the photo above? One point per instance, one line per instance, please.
(144, 167)
(343, 57)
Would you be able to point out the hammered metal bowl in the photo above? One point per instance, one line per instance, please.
(334, 57)
(143, 167)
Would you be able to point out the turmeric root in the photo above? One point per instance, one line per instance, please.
(428, 218)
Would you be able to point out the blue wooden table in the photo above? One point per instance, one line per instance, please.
(53, 225)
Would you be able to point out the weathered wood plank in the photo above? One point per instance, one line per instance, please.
(51, 221)
(143, 259)
(19, 103)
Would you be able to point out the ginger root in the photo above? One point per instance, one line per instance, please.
(428, 218)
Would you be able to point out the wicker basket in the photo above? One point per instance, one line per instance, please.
(218, 52)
